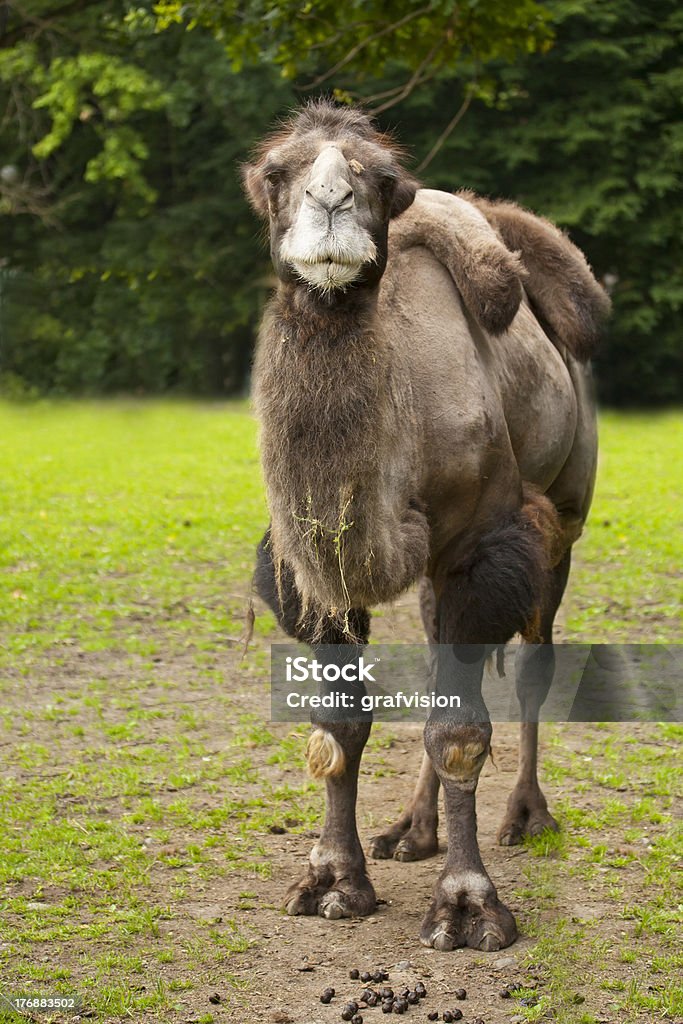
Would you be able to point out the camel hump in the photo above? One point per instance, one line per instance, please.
(487, 275)
(494, 251)
(566, 298)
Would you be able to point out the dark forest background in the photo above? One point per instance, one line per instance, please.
(129, 260)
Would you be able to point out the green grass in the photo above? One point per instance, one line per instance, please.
(621, 858)
(127, 542)
(628, 587)
(115, 516)
(134, 778)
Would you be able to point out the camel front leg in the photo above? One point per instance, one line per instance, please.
(481, 604)
(465, 910)
(336, 883)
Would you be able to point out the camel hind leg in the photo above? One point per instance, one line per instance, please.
(415, 835)
(527, 811)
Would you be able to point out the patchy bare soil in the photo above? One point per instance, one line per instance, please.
(293, 959)
(582, 957)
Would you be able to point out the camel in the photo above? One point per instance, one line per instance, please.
(423, 390)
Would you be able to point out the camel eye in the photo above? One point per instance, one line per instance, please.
(274, 176)
(387, 182)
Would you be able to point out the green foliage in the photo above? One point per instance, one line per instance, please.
(364, 36)
(129, 257)
(149, 276)
(590, 134)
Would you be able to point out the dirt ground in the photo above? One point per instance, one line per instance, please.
(293, 959)
(280, 990)
(278, 978)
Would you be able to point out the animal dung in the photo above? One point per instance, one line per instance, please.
(399, 1002)
(383, 997)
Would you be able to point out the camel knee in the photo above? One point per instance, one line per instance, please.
(277, 587)
(458, 751)
(325, 755)
(333, 746)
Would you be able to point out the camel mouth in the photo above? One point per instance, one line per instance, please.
(327, 274)
(329, 261)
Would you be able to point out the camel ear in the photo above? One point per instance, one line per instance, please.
(255, 187)
(404, 193)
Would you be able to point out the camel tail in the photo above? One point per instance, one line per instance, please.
(566, 298)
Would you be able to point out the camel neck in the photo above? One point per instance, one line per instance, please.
(329, 320)
(330, 407)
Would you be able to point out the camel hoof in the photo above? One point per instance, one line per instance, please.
(472, 915)
(332, 908)
(417, 845)
(303, 903)
(489, 943)
(405, 852)
(331, 898)
(443, 942)
(522, 822)
(416, 842)
(382, 847)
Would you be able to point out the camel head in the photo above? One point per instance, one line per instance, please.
(329, 183)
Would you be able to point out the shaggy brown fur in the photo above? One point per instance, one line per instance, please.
(566, 298)
(542, 515)
(399, 438)
(496, 591)
(324, 449)
(320, 119)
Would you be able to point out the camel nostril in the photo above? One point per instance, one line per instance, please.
(329, 195)
(347, 197)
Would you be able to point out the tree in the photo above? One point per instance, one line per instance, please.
(591, 134)
(129, 258)
(140, 269)
(362, 37)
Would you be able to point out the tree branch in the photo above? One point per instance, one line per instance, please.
(26, 198)
(450, 127)
(412, 82)
(15, 35)
(355, 50)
